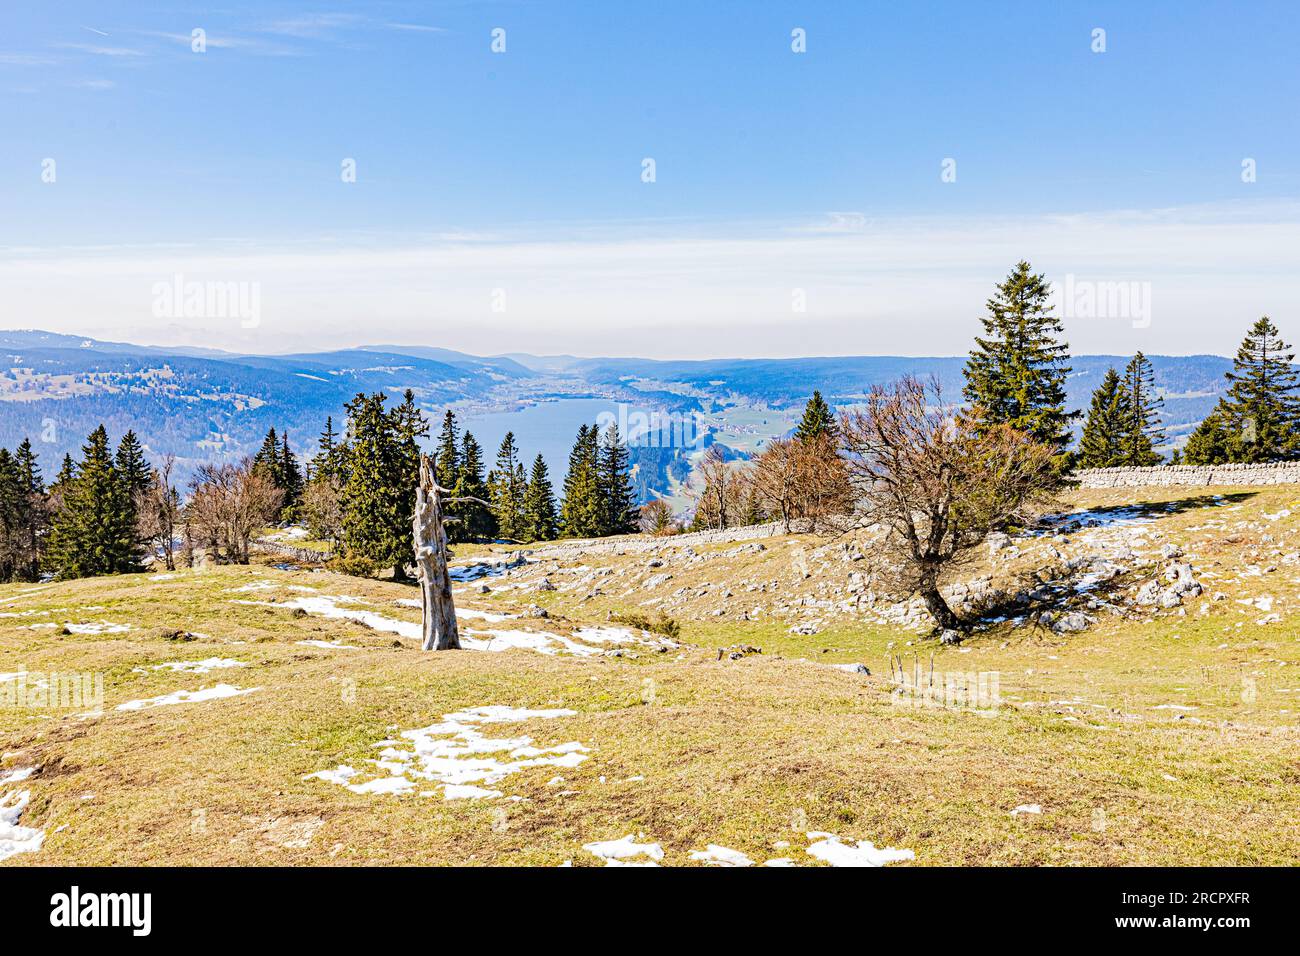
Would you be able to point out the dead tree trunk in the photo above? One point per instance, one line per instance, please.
(439, 627)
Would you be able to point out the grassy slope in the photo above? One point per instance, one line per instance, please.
(742, 753)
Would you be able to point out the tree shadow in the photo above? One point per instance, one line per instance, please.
(1141, 512)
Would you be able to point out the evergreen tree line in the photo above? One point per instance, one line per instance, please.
(359, 488)
(100, 515)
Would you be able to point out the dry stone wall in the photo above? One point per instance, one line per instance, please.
(1273, 473)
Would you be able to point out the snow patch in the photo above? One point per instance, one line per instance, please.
(15, 839)
(715, 855)
(216, 692)
(205, 666)
(102, 627)
(832, 850)
(451, 753)
(615, 852)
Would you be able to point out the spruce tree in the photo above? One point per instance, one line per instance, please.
(410, 429)
(448, 462)
(1104, 431)
(1016, 372)
(94, 530)
(290, 480)
(376, 526)
(580, 511)
(476, 521)
(326, 463)
(1210, 443)
(35, 514)
(1261, 410)
(818, 420)
(506, 491)
(12, 496)
(617, 501)
(539, 504)
(132, 464)
(1141, 431)
(267, 460)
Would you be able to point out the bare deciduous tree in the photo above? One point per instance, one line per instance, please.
(938, 483)
(802, 478)
(228, 504)
(322, 508)
(656, 517)
(157, 511)
(720, 500)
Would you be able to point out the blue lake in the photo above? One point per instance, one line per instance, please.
(548, 427)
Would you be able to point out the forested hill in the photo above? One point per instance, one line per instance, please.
(203, 404)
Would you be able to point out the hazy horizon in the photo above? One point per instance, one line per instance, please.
(735, 180)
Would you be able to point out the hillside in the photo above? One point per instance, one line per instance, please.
(1143, 713)
(204, 405)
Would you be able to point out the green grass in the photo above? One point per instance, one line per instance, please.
(748, 753)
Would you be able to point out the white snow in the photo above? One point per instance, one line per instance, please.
(715, 855)
(102, 627)
(198, 667)
(16, 839)
(467, 791)
(1026, 808)
(544, 642)
(615, 852)
(340, 774)
(187, 697)
(451, 753)
(831, 850)
(15, 776)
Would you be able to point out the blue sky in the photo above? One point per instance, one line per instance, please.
(521, 171)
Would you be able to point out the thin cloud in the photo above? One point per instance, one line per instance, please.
(27, 59)
(414, 27)
(95, 50)
(225, 41)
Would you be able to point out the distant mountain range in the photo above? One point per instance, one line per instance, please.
(206, 404)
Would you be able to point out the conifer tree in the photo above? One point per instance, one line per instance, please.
(1104, 431)
(540, 522)
(1016, 372)
(94, 531)
(35, 513)
(12, 497)
(476, 521)
(267, 460)
(448, 462)
(410, 429)
(616, 499)
(330, 450)
(1261, 406)
(1210, 442)
(506, 490)
(290, 480)
(818, 419)
(376, 526)
(1257, 420)
(132, 464)
(1141, 431)
(580, 511)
